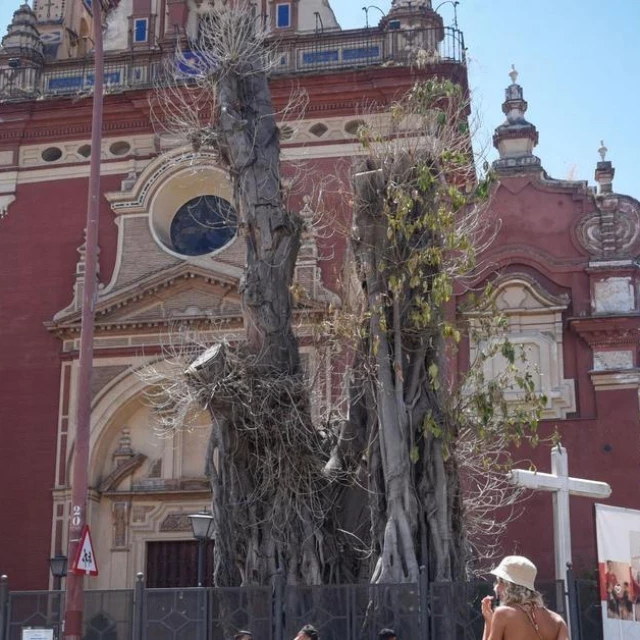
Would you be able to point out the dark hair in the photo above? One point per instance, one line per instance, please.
(386, 634)
(310, 631)
(241, 634)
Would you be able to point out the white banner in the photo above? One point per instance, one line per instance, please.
(618, 532)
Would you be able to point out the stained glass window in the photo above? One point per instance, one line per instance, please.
(203, 225)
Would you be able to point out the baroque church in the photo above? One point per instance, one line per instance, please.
(564, 268)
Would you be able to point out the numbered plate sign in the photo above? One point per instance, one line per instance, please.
(85, 562)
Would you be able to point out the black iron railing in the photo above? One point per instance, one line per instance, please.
(315, 53)
(422, 611)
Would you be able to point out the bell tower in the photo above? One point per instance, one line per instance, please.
(65, 27)
(21, 55)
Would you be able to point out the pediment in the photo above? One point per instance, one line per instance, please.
(520, 293)
(182, 293)
(195, 299)
(522, 296)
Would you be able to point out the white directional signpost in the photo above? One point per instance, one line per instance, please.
(562, 486)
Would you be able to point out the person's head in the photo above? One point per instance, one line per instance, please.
(609, 565)
(515, 581)
(387, 634)
(308, 632)
(243, 635)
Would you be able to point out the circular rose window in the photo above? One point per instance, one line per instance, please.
(203, 225)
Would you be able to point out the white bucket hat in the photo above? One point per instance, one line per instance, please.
(517, 569)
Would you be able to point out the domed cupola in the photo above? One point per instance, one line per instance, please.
(22, 41)
(412, 14)
(21, 55)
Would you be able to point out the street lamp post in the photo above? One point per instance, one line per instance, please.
(202, 527)
(58, 566)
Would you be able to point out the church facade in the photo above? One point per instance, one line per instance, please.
(564, 267)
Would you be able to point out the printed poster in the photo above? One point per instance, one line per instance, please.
(618, 534)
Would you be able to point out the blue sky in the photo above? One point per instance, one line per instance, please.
(578, 62)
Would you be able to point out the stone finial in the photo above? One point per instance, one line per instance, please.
(603, 151)
(513, 74)
(516, 138)
(604, 171)
(124, 452)
(124, 442)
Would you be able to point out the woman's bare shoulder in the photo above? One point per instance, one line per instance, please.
(506, 610)
(560, 626)
(556, 617)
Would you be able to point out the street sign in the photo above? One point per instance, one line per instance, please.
(85, 563)
(37, 633)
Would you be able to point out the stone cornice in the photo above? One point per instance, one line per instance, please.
(130, 327)
(144, 289)
(607, 331)
(615, 380)
(67, 117)
(167, 493)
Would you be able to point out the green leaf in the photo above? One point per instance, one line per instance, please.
(508, 352)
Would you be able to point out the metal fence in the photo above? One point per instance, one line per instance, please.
(588, 609)
(318, 52)
(423, 611)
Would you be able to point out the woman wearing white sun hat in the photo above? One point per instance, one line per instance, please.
(521, 614)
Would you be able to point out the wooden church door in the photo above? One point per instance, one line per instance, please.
(174, 564)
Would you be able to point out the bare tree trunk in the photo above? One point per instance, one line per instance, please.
(249, 137)
(265, 456)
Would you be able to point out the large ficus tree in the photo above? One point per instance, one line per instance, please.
(428, 447)
(420, 221)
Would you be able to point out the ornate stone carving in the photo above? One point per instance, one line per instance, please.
(176, 522)
(612, 231)
(120, 512)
